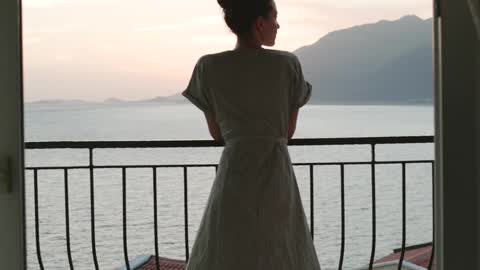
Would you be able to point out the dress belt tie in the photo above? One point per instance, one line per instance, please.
(279, 140)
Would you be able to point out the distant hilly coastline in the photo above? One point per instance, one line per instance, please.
(59, 101)
(174, 99)
(383, 63)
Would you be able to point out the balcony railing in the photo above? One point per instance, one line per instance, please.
(91, 167)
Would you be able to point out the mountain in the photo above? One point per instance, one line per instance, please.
(388, 62)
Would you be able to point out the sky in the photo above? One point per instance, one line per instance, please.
(98, 49)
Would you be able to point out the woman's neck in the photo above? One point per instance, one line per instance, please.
(247, 44)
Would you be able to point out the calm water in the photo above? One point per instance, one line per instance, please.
(178, 122)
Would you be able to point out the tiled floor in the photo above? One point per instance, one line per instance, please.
(165, 264)
(419, 256)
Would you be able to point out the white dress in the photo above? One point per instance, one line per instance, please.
(254, 218)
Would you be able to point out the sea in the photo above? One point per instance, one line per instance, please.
(156, 122)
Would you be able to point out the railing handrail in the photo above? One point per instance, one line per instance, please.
(211, 143)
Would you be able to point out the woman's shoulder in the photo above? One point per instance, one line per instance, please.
(275, 53)
(285, 54)
(287, 58)
(207, 59)
(278, 57)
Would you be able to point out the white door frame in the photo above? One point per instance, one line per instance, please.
(12, 211)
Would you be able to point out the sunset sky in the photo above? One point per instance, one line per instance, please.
(97, 49)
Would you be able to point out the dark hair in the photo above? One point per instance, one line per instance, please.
(240, 15)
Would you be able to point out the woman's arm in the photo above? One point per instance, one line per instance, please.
(213, 128)
(292, 124)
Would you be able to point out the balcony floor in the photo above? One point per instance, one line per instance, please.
(165, 264)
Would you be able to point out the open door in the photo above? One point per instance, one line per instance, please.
(457, 135)
(12, 232)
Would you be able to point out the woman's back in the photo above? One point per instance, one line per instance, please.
(254, 218)
(249, 92)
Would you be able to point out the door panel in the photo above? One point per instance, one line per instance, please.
(12, 233)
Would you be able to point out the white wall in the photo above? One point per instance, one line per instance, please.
(11, 138)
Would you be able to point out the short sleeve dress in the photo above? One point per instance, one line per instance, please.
(254, 218)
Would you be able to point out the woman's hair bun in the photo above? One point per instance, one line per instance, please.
(240, 15)
(225, 4)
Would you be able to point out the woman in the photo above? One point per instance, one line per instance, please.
(254, 218)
